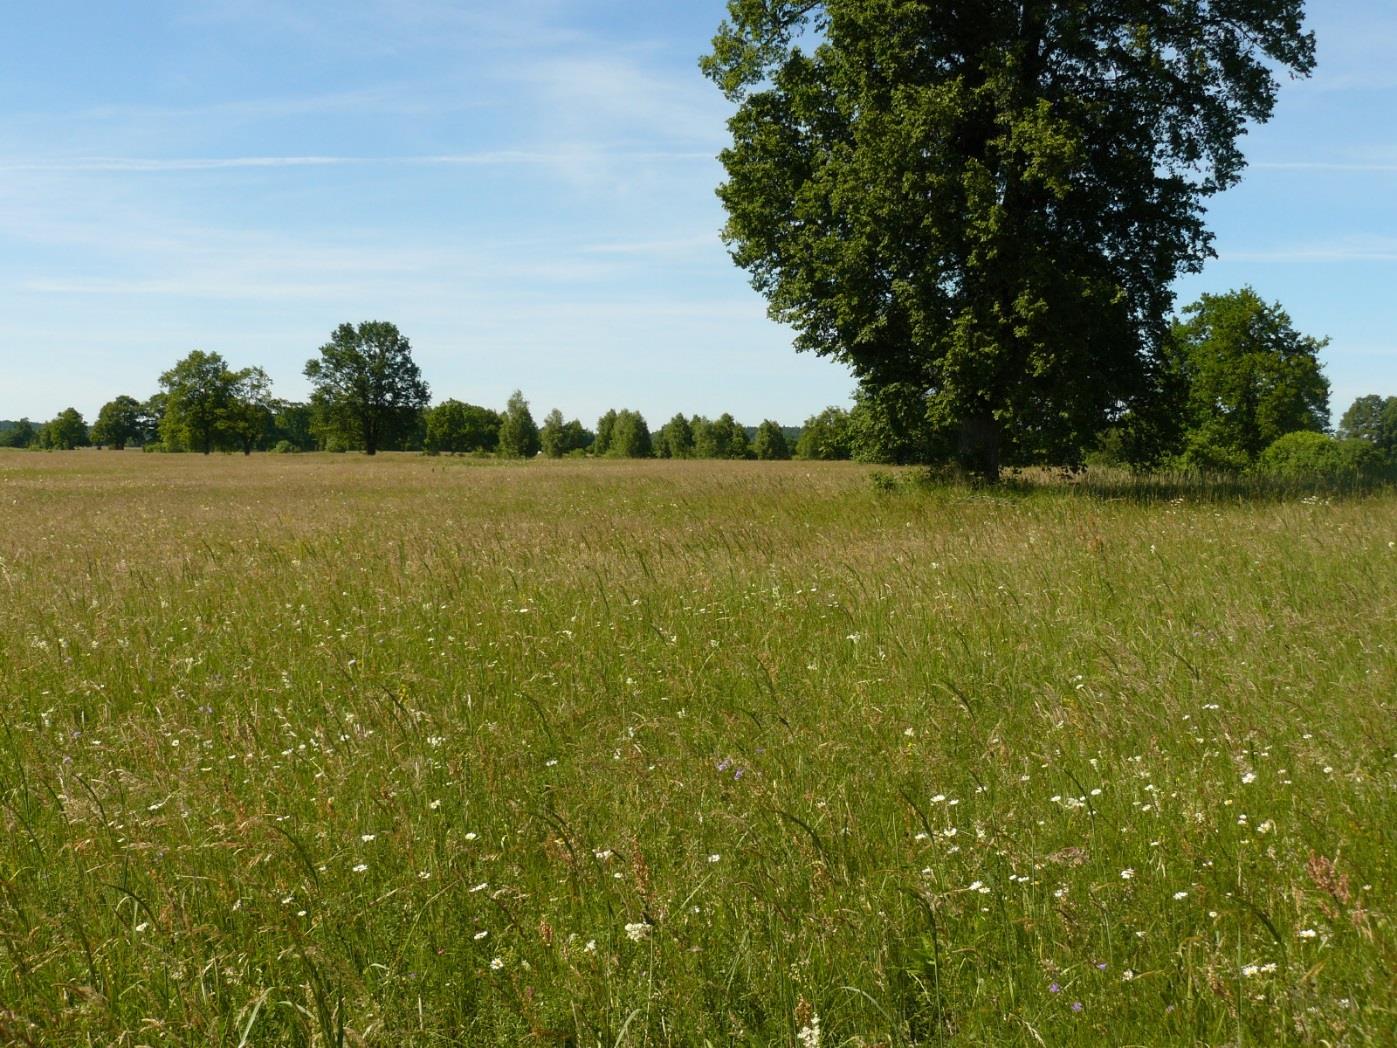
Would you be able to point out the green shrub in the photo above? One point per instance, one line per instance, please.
(1317, 456)
(284, 447)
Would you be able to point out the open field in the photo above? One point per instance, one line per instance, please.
(320, 750)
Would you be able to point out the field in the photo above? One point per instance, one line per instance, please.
(330, 750)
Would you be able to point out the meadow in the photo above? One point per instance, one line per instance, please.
(323, 750)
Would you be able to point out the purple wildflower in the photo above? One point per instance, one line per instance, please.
(1076, 1006)
(1055, 988)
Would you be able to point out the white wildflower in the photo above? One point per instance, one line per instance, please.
(638, 932)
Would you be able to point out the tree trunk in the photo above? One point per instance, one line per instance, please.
(979, 450)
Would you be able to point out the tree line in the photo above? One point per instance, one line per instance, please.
(1244, 391)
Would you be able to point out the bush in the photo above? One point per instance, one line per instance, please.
(1317, 456)
(284, 447)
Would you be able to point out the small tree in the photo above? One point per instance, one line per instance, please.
(605, 426)
(825, 436)
(1373, 419)
(251, 410)
(449, 428)
(367, 387)
(1250, 379)
(630, 436)
(65, 432)
(675, 439)
(199, 395)
(118, 423)
(770, 443)
(558, 438)
(518, 432)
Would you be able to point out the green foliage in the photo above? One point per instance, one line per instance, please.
(120, 422)
(252, 411)
(64, 432)
(605, 426)
(200, 406)
(770, 443)
(1250, 378)
(284, 447)
(293, 424)
(720, 438)
(518, 433)
(21, 434)
(826, 436)
(890, 424)
(1306, 455)
(989, 202)
(629, 436)
(1373, 419)
(368, 389)
(675, 440)
(558, 438)
(454, 427)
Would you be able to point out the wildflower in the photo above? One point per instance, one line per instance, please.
(143, 926)
(1251, 970)
(367, 837)
(1248, 778)
(1076, 1006)
(714, 857)
(479, 887)
(1266, 827)
(1128, 975)
(470, 836)
(434, 805)
(360, 867)
(1127, 874)
(638, 932)
(480, 935)
(809, 1035)
(1054, 988)
(1307, 933)
(1180, 895)
(496, 964)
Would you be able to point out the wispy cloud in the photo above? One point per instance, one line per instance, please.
(486, 158)
(1337, 167)
(1347, 249)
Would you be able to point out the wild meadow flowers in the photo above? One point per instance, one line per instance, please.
(283, 757)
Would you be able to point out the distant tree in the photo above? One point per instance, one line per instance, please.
(558, 438)
(199, 401)
(518, 432)
(367, 387)
(675, 440)
(1374, 419)
(449, 428)
(292, 424)
(630, 436)
(605, 425)
(21, 434)
(65, 432)
(118, 423)
(720, 438)
(770, 443)
(1250, 379)
(825, 436)
(252, 410)
(151, 416)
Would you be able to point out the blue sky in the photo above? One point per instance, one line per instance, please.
(526, 189)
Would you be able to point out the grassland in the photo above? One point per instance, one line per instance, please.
(314, 750)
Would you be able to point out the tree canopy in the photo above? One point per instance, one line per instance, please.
(518, 432)
(988, 201)
(367, 386)
(120, 422)
(200, 396)
(1249, 378)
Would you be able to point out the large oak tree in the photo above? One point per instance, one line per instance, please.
(989, 199)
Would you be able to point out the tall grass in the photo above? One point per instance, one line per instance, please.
(321, 750)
